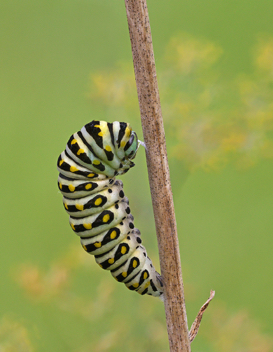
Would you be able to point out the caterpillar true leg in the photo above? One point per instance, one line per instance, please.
(99, 211)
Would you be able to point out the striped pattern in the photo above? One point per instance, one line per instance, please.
(98, 209)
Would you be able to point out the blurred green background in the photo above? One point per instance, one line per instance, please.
(64, 63)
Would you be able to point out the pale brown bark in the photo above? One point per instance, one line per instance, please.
(159, 177)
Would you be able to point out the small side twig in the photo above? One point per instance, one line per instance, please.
(196, 324)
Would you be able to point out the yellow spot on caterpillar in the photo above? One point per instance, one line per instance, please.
(124, 274)
(96, 162)
(147, 285)
(73, 227)
(84, 247)
(98, 201)
(79, 206)
(115, 278)
(111, 261)
(128, 131)
(98, 126)
(106, 218)
(103, 129)
(73, 168)
(91, 175)
(74, 141)
(113, 235)
(87, 226)
(145, 275)
(60, 163)
(108, 148)
(123, 250)
(122, 144)
(80, 151)
(100, 265)
(88, 186)
(66, 206)
(71, 188)
(60, 185)
(134, 263)
(135, 285)
(97, 244)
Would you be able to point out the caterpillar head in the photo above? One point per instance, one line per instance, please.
(131, 146)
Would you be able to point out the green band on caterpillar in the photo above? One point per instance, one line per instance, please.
(99, 211)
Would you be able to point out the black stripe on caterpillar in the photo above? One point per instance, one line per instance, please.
(99, 211)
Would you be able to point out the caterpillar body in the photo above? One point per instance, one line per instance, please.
(99, 211)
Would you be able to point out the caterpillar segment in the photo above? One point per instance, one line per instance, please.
(98, 208)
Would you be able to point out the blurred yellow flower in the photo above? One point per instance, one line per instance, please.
(235, 332)
(264, 56)
(14, 337)
(209, 122)
(187, 54)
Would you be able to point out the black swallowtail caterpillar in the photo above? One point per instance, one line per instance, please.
(99, 211)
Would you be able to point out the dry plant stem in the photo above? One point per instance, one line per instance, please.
(159, 177)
